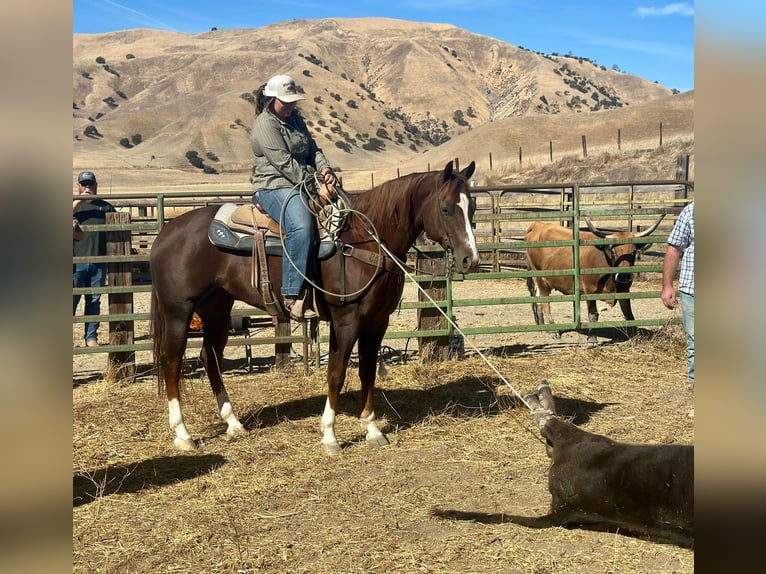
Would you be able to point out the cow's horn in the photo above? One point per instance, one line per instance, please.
(649, 230)
(595, 230)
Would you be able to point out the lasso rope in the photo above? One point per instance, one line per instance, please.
(343, 212)
(454, 325)
(339, 213)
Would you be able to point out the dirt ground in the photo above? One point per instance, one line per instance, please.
(273, 501)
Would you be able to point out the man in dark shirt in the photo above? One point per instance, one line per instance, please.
(88, 211)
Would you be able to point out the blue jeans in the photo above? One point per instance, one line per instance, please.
(687, 317)
(300, 237)
(89, 275)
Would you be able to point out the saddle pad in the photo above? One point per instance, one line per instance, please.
(223, 232)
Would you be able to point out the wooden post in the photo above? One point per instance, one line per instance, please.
(550, 149)
(619, 139)
(372, 179)
(121, 365)
(457, 164)
(660, 134)
(432, 348)
(584, 147)
(519, 156)
(682, 168)
(490, 161)
(682, 174)
(282, 350)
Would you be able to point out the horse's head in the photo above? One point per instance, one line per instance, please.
(449, 216)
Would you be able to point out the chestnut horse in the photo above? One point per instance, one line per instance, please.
(190, 275)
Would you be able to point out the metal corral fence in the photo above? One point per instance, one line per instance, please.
(502, 216)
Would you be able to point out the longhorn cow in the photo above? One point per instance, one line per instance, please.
(556, 258)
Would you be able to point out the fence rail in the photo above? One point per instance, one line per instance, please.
(502, 215)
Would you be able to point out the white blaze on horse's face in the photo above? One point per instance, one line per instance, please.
(464, 205)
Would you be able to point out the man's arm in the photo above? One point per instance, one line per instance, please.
(669, 266)
(77, 233)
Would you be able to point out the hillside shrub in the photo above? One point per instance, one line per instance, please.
(92, 132)
(374, 145)
(125, 142)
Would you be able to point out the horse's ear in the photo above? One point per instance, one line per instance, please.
(447, 172)
(468, 171)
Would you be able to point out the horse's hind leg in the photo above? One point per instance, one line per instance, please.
(172, 346)
(216, 320)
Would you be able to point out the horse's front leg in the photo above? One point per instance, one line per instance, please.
(340, 351)
(369, 348)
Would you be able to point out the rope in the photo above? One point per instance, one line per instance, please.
(345, 211)
(341, 213)
(455, 326)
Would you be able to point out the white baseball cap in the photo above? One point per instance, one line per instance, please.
(283, 88)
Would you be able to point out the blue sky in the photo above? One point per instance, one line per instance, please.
(653, 39)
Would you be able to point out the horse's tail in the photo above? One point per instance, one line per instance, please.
(157, 331)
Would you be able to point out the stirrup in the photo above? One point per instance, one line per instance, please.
(297, 308)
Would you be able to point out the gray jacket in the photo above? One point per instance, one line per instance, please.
(282, 151)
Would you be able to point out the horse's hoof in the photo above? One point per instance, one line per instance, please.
(377, 441)
(235, 431)
(332, 448)
(184, 443)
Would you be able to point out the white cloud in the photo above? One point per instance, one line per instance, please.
(679, 8)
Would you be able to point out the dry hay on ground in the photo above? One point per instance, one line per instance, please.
(272, 501)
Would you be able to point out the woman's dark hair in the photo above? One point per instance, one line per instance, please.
(261, 102)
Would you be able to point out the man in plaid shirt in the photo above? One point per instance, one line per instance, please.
(681, 242)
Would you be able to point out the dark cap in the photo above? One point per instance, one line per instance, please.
(86, 176)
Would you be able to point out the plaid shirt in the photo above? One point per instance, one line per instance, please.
(683, 236)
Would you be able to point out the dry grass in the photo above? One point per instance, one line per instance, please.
(635, 165)
(272, 501)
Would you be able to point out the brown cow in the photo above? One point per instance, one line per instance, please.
(595, 482)
(556, 258)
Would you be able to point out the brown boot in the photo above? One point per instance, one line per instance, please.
(298, 307)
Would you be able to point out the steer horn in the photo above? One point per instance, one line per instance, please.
(603, 235)
(540, 413)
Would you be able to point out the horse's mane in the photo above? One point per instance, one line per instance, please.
(388, 203)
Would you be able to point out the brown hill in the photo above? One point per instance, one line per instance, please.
(378, 92)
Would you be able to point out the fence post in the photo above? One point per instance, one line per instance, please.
(490, 161)
(584, 147)
(432, 348)
(121, 365)
(619, 139)
(282, 350)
